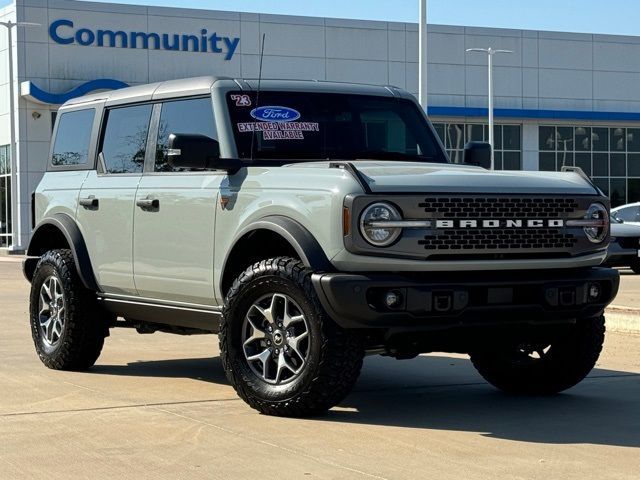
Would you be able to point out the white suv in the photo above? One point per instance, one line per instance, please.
(309, 223)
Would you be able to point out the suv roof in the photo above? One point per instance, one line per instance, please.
(202, 85)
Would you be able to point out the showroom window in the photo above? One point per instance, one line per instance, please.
(609, 155)
(508, 142)
(5, 196)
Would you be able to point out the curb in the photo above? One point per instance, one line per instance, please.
(623, 319)
(4, 252)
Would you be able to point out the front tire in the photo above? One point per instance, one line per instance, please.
(67, 325)
(280, 351)
(544, 368)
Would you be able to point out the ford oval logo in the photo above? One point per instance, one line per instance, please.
(275, 114)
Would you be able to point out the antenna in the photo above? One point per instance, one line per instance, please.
(253, 133)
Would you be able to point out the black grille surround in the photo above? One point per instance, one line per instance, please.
(466, 236)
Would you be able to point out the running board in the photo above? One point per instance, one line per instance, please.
(189, 317)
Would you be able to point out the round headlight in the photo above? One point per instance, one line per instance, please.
(372, 224)
(597, 234)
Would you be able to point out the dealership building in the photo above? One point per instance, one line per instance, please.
(561, 98)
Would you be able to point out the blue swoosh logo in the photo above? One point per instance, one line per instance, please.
(37, 94)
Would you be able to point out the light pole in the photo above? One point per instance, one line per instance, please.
(16, 227)
(490, 53)
(422, 67)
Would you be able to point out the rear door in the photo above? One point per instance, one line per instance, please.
(175, 213)
(107, 198)
(72, 157)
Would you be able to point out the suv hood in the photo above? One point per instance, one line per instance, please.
(411, 177)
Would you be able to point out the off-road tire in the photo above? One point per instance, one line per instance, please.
(635, 265)
(85, 326)
(570, 358)
(335, 355)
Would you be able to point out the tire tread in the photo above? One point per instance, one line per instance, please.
(582, 353)
(340, 360)
(86, 325)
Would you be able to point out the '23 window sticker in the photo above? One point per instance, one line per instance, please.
(274, 122)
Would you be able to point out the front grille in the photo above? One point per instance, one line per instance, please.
(481, 226)
(451, 240)
(493, 207)
(499, 238)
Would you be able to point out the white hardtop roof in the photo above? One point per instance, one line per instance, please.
(202, 85)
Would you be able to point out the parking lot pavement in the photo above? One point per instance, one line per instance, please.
(158, 406)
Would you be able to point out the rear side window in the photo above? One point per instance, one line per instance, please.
(194, 116)
(71, 146)
(125, 139)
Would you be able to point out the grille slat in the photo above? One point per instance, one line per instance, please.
(499, 238)
(483, 207)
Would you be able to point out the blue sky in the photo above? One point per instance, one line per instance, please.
(620, 17)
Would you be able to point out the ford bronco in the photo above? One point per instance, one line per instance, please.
(309, 224)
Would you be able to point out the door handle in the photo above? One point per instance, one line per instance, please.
(90, 203)
(151, 204)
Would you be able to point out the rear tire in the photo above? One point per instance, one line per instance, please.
(67, 324)
(280, 351)
(558, 365)
(635, 266)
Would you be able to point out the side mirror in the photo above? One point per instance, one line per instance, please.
(198, 152)
(478, 154)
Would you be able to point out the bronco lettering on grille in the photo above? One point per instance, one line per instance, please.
(501, 223)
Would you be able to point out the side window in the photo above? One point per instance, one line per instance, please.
(628, 214)
(71, 146)
(125, 139)
(385, 131)
(194, 116)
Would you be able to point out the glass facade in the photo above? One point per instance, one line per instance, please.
(5, 196)
(508, 142)
(609, 155)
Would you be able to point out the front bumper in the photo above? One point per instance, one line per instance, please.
(443, 300)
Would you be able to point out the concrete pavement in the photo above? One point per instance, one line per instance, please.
(158, 406)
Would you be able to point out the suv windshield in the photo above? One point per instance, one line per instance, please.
(330, 126)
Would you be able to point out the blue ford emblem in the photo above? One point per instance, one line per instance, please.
(275, 114)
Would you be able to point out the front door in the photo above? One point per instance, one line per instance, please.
(106, 203)
(175, 214)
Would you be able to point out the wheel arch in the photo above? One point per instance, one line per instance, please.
(276, 236)
(60, 231)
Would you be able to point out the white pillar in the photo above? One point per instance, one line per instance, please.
(530, 146)
(422, 46)
(16, 215)
(490, 81)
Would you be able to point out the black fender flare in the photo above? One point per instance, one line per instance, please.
(71, 232)
(302, 241)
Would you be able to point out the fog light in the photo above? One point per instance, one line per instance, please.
(594, 291)
(392, 299)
